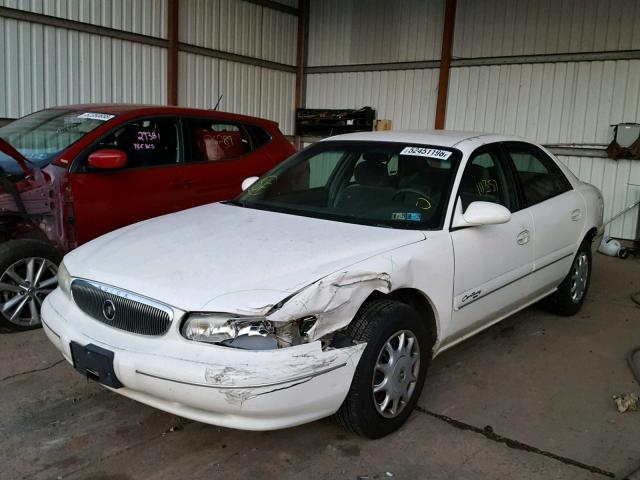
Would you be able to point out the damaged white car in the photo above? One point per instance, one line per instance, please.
(330, 283)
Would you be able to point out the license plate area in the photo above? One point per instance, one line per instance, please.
(95, 363)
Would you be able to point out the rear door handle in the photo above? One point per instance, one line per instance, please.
(576, 215)
(523, 237)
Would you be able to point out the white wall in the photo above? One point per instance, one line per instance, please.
(245, 89)
(406, 96)
(572, 102)
(350, 32)
(146, 17)
(345, 32)
(43, 66)
(241, 28)
(488, 28)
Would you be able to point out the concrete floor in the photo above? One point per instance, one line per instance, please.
(529, 398)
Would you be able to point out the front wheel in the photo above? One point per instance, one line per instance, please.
(28, 270)
(391, 372)
(570, 295)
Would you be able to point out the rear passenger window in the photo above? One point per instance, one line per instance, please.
(260, 135)
(212, 141)
(539, 175)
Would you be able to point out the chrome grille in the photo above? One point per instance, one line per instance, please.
(120, 311)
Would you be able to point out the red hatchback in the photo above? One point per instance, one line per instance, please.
(70, 174)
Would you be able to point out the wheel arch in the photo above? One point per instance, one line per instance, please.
(419, 301)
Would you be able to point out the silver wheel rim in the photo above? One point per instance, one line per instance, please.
(396, 373)
(23, 287)
(579, 276)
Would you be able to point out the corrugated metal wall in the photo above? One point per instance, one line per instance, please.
(42, 66)
(146, 17)
(489, 28)
(241, 28)
(550, 102)
(344, 32)
(556, 102)
(245, 89)
(406, 96)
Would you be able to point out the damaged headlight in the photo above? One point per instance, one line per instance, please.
(64, 279)
(255, 333)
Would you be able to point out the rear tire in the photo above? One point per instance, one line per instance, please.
(390, 374)
(567, 300)
(28, 271)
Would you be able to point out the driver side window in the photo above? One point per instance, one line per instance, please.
(485, 179)
(147, 142)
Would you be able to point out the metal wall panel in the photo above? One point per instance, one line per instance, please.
(289, 3)
(619, 181)
(489, 28)
(345, 32)
(407, 97)
(246, 89)
(45, 66)
(549, 103)
(146, 17)
(239, 27)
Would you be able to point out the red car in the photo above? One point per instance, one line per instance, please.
(70, 174)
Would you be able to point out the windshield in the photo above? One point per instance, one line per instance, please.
(377, 183)
(41, 136)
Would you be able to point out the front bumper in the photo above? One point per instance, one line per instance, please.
(251, 390)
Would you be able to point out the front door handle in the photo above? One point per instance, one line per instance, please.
(523, 237)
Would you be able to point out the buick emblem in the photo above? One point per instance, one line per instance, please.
(109, 310)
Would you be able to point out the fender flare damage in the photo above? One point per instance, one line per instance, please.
(333, 300)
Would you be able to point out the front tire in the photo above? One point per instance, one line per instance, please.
(390, 374)
(567, 300)
(28, 270)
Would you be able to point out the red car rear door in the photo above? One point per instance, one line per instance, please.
(220, 155)
(154, 181)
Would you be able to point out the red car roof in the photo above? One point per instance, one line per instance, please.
(125, 108)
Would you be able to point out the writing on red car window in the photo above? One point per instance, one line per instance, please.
(146, 140)
(148, 136)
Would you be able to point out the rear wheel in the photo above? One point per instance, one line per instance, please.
(390, 374)
(28, 270)
(571, 293)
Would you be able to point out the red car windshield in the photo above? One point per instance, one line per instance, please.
(41, 136)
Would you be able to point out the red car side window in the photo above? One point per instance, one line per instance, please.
(211, 141)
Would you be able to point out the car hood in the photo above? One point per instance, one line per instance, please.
(222, 257)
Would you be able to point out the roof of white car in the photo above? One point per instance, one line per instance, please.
(444, 138)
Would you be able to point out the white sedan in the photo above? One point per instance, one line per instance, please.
(331, 282)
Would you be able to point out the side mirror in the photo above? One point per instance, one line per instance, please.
(247, 182)
(480, 213)
(107, 159)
